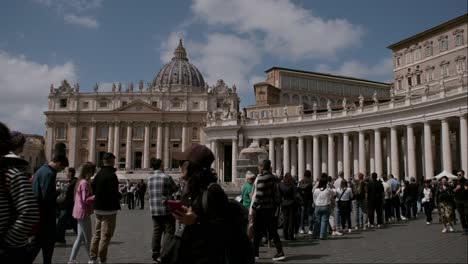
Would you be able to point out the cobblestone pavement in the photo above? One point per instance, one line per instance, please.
(403, 242)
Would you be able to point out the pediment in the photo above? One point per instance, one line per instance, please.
(137, 106)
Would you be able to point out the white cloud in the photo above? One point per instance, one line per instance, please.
(24, 99)
(381, 71)
(289, 31)
(84, 21)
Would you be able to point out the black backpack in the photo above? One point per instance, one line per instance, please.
(239, 246)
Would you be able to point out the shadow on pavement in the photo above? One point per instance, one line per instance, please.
(305, 257)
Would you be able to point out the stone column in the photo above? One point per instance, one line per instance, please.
(378, 152)
(355, 154)
(184, 137)
(331, 156)
(117, 143)
(411, 151)
(110, 138)
(339, 153)
(428, 159)
(286, 167)
(371, 153)
(159, 143)
(309, 154)
(92, 143)
(316, 156)
(128, 149)
(300, 154)
(166, 146)
(271, 154)
(388, 153)
(73, 142)
(346, 160)
(146, 145)
(278, 157)
(234, 160)
(293, 153)
(49, 140)
(324, 154)
(446, 151)
(464, 143)
(395, 169)
(362, 153)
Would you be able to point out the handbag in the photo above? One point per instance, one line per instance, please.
(171, 249)
(340, 203)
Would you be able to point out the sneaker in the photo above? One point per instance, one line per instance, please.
(301, 231)
(404, 218)
(428, 223)
(310, 232)
(450, 229)
(444, 230)
(379, 226)
(371, 226)
(356, 228)
(336, 233)
(279, 256)
(364, 227)
(349, 230)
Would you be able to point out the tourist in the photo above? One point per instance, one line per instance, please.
(345, 196)
(83, 209)
(403, 193)
(203, 233)
(247, 188)
(161, 189)
(428, 201)
(307, 209)
(411, 199)
(141, 190)
(288, 193)
(15, 194)
(44, 190)
(323, 197)
(375, 193)
(131, 196)
(387, 199)
(265, 206)
(333, 222)
(445, 202)
(105, 188)
(395, 206)
(361, 202)
(66, 208)
(14, 157)
(461, 199)
(337, 186)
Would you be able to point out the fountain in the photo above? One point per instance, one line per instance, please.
(249, 158)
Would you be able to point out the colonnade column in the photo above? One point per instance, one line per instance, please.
(128, 153)
(214, 149)
(346, 161)
(315, 155)
(446, 151)
(411, 151)
(184, 137)
(234, 160)
(339, 153)
(159, 143)
(271, 153)
(278, 157)
(324, 154)
(92, 143)
(286, 168)
(146, 147)
(300, 153)
(464, 143)
(110, 138)
(49, 140)
(428, 158)
(362, 153)
(73, 143)
(388, 153)
(116, 151)
(331, 156)
(378, 152)
(308, 155)
(166, 146)
(395, 169)
(355, 154)
(293, 155)
(371, 153)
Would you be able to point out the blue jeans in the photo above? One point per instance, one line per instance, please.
(361, 213)
(337, 216)
(84, 234)
(307, 211)
(322, 214)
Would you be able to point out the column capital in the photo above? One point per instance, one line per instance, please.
(462, 116)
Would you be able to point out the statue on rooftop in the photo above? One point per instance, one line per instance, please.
(96, 87)
(113, 87)
(361, 100)
(374, 98)
(329, 109)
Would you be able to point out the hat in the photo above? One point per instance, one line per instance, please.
(196, 153)
(249, 175)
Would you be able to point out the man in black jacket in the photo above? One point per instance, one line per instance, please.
(106, 204)
(66, 209)
(375, 191)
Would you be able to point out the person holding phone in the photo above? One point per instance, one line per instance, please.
(161, 189)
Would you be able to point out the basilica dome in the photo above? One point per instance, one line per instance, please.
(179, 73)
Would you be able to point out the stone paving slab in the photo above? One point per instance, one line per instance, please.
(403, 242)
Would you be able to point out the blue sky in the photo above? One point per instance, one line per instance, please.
(105, 41)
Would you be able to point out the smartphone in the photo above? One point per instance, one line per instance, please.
(174, 205)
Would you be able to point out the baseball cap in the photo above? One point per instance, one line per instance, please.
(196, 153)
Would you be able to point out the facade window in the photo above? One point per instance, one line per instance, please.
(196, 105)
(429, 75)
(123, 132)
(154, 132)
(398, 61)
(429, 50)
(443, 44)
(195, 134)
(408, 58)
(410, 81)
(60, 132)
(417, 54)
(418, 79)
(461, 65)
(103, 104)
(400, 85)
(85, 105)
(102, 132)
(138, 132)
(154, 104)
(124, 103)
(175, 104)
(84, 133)
(444, 70)
(63, 103)
(459, 39)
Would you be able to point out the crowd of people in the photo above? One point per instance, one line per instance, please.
(194, 221)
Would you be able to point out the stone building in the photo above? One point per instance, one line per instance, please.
(137, 123)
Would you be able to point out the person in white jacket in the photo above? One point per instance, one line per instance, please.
(323, 197)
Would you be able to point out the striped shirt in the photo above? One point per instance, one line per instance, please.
(18, 208)
(161, 188)
(267, 195)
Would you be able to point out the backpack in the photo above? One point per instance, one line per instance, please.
(239, 248)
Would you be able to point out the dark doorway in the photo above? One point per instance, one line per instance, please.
(100, 156)
(228, 163)
(137, 160)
